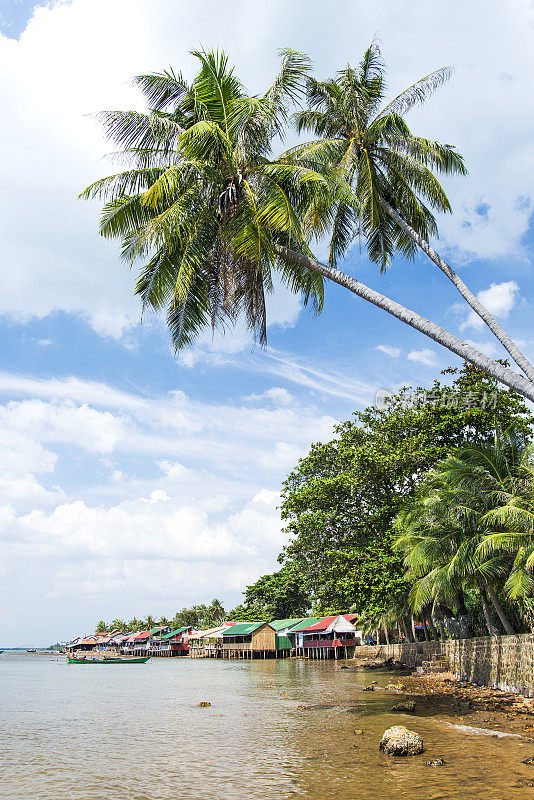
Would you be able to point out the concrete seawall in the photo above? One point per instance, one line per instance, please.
(500, 662)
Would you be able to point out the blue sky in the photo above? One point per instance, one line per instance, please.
(135, 481)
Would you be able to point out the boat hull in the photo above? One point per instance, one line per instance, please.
(73, 660)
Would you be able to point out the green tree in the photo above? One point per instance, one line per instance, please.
(118, 625)
(279, 595)
(216, 612)
(212, 216)
(341, 500)
(101, 627)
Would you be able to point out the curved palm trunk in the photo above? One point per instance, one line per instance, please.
(415, 320)
(425, 631)
(501, 613)
(466, 293)
(490, 625)
(404, 629)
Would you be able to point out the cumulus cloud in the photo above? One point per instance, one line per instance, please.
(389, 350)
(176, 481)
(489, 348)
(424, 356)
(499, 299)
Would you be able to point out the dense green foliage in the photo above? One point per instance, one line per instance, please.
(341, 500)
(459, 533)
(276, 596)
(197, 616)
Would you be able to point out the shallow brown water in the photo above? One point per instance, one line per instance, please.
(134, 732)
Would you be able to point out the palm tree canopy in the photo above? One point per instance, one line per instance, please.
(202, 203)
(456, 532)
(369, 142)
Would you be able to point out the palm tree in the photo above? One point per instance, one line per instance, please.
(216, 611)
(134, 625)
(389, 169)
(203, 204)
(212, 216)
(101, 627)
(117, 625)
(513, 515)
(150, 622)
(444, 534)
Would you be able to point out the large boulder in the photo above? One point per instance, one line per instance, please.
(399, 741)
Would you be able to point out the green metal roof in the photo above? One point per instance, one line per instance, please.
(156, 629)
(305, 623)
(280, 624)
(176, 632)
(244, 628)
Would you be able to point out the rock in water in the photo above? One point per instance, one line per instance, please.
(204, 704)
(408, 707)
(399, 741)
(437, 762)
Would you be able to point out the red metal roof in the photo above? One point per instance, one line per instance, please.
(141, 635)
(323, 624)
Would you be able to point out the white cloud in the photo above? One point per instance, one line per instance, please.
(499, 299)
(489, 348)
(424, 356)
(277, 395)
(202, 512)
(389, 350)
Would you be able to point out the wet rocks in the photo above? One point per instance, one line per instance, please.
(406, 707)
(358, 732)
(391, 663)
(399, 741)
(528, 760)
(368, 688)
(436, 762)
(204, 704)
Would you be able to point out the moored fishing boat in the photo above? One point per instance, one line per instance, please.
(71, 659)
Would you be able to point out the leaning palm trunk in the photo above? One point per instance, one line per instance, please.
(466, 293)
(405, 630)
(415, 320)
(490, 625)
(507, 625)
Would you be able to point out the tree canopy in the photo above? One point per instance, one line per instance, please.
(342, 498)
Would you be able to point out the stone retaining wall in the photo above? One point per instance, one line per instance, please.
(501, 662)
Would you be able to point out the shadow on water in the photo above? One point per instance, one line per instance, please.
(279, 730)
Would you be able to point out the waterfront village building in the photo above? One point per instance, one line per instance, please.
(159, 641)
(308, 637)
(328, 637)
(208, 643)
(282, 628)
(249, 640)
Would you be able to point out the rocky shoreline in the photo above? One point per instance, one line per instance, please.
(460, 702)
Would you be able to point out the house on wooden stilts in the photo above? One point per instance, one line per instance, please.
(249, 640)
(329, 637)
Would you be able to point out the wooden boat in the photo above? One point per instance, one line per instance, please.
(102, 660)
